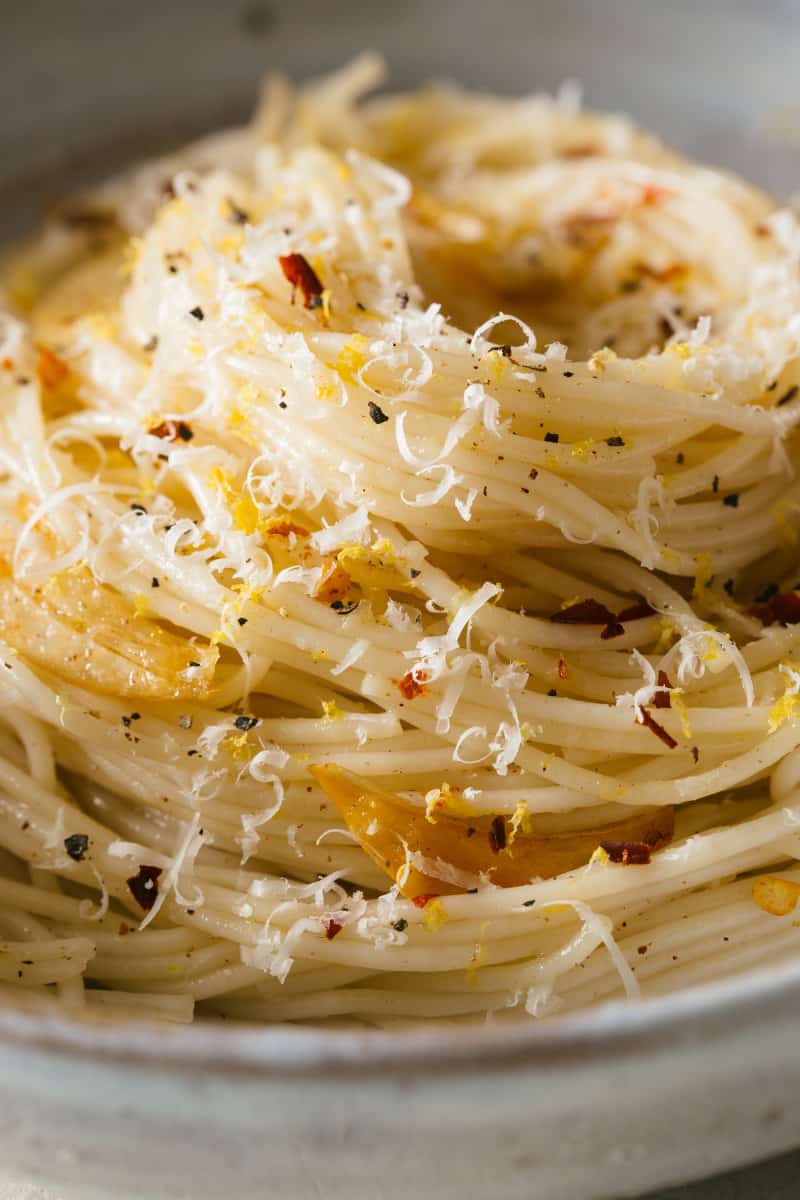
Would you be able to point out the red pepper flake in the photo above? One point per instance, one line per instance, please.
(423, 899)
(579, 150)
(497, 834)
(285, 529)
(144, 886)
(172, 431)
(412, 685)
(662, 274)
(563, 669)
(636, 612)
(783, 609)
(662, 699)
(50, 369)
(654, 727)
(297, 270)
(8, 364)
(584, 612)
(630, 854)
(652, 193)
(331, 928)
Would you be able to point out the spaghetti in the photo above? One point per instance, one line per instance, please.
(369, 657)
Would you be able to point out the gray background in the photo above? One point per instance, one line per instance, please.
(87, 84)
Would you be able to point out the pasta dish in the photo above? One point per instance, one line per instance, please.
(399, 573)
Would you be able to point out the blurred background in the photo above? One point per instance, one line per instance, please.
(87, 84)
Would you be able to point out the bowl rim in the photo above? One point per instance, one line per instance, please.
(608, 1033)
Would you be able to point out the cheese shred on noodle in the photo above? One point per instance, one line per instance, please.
(398, 551)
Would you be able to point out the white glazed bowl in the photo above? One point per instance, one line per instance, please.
(605, 1104)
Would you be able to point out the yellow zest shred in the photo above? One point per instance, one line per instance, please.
(519, 823)
(331, 711)
(679, 704)
(434, 916)
(351, 358)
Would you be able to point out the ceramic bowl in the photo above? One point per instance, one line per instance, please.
(605, 1104)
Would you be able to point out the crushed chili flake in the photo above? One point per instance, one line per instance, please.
(551, 437)
(616, 440)
(563, 669)
(412, 685)
(650, 723)
(423, 899)
(630, 854)
(285, 529)
(497, 834)
(731, 500)
(376, 413)
(652, 193)
(636, 612)
(715, 484)
(76, 846)
(695, 754)
(331, 928)
(579, 150)
(613, 629)
(298, 271)
(172, 431)
(783, 609)
(50, 369)
(662, 699)
(584, 612)
(143, 886)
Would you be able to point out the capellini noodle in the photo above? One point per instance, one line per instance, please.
(398, 552)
